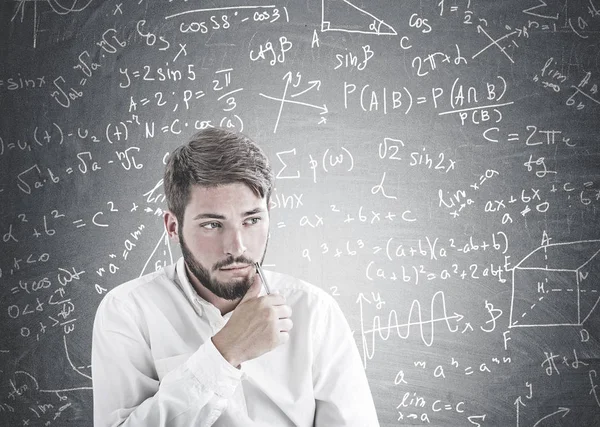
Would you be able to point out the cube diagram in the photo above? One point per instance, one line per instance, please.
(556, 285)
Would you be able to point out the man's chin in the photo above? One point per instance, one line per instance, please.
(232, 289)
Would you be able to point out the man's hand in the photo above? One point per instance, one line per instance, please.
(257, 326)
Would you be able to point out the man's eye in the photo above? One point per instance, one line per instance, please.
(211, 225)
(252, 221)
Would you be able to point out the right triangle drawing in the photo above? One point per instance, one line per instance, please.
(341, 15)
(156, 260)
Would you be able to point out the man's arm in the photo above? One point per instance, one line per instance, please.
(342, 393)
(126, 387)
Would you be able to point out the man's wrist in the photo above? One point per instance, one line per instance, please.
(227, 353)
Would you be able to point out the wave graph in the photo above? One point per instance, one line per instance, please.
(403, 330)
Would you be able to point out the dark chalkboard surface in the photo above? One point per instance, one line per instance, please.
(438, 172)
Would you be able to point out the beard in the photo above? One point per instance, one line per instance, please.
(230, 291)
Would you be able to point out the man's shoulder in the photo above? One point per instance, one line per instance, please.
(142, 285)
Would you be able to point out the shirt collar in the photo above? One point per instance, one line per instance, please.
(190, 293)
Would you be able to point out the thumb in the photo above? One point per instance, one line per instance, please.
(254, 289)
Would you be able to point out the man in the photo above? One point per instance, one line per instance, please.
(200, 343)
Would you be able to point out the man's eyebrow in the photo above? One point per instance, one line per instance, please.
(253, 211)
(209, 215)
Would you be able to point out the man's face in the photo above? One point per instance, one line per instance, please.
(225, 230)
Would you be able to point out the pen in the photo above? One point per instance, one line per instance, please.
(262, 277)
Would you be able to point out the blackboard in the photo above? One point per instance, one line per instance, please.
(437, 171)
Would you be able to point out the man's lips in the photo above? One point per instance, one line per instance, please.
(235, 267)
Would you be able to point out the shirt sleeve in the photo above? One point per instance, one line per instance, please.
(126, 388)
(342, 393)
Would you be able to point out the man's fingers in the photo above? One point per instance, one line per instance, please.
(285, 325)
(275, 299)
(283, 311)
(284, 337)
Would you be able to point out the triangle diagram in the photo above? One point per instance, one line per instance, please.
(160, 257)
(341, 15)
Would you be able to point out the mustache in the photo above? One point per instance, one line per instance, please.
(231, 260)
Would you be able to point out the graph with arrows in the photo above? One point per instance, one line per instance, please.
(293, 83)
(425, 327)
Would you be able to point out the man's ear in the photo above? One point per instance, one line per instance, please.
(171, 225)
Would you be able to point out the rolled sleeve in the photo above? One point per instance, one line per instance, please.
(213, 372)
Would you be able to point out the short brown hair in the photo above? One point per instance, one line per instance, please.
(215, 157)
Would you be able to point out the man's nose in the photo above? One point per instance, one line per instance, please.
(234, 244)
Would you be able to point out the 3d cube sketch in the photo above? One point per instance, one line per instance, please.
(556, 285)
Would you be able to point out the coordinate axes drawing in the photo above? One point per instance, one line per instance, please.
(426, 325)
(556, 285)
(295, 82)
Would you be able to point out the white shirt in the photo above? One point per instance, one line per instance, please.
(154, 363)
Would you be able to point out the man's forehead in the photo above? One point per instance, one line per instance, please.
(225, 200)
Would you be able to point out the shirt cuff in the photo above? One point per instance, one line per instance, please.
(211, 369)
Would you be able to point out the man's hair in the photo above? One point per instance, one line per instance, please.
(211, 158)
